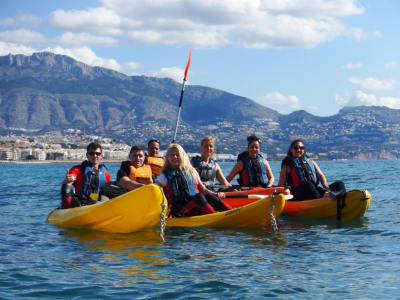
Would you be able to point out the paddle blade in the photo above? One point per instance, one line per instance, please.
(188, 64)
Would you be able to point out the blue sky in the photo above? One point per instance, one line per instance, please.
(316, 55)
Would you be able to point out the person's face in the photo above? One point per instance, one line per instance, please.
(254, 149)
(297, 149)
(174, 158)
(154, 149)
(94, 156)
(137, 158)
(207, 148)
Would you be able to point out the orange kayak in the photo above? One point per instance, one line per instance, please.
(249, 195)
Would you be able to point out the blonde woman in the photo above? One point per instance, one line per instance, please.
(186, 193)
(206, 166)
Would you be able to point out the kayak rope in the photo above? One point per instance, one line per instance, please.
(274, 225)
(163, 215)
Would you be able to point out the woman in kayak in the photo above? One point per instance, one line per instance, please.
(184, 189)
(207, 167)
(252, 167)
(301, 174)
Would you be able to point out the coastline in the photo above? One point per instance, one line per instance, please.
(20, 162)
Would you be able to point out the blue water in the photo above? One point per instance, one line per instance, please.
(303, 260)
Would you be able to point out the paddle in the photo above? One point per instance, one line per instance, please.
(182, 91)
(287, 197)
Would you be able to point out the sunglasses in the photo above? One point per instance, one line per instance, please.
(298, 147)
(93, 153)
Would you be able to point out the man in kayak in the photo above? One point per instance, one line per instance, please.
(84, 181)
(134, 173)
(301, 174)
(153, 158)
(185, 192)
(252, 167)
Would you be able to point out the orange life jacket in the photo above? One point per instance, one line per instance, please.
(156, 164)
(142, 174)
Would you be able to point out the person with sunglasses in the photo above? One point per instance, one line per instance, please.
(134, 173)
(153, 158)
(252, 167)
(301, 174)
(84, 180)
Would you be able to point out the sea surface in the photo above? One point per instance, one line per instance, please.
(302, 260)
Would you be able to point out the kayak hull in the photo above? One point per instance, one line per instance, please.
(135, 210)
(356, 203)
(256, 214)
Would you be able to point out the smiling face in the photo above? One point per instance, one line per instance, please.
(174, 158)
(153, 149)
(137, 158)
(94, 156)
(207, 148)
(253, 149)
(297, 149)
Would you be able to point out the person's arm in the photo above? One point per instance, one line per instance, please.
(270, 176)
(220, 176)
(129, 184)
(321, 176)
(203, 189)
(235, 170)
(285, 171)
(162, 180)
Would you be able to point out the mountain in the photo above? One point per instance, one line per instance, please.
(46, 92)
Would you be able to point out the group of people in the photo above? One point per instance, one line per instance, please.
(190, 184)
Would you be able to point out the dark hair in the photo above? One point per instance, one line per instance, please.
(153, 140)
(252, 138)
(136, 148)
(93, 146)
(295, 142)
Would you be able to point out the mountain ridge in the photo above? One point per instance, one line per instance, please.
(49, 92)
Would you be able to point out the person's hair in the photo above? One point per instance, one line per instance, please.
(252, 138)
(153, 140)
(136, 148)
(184, 160)
(208, 138)
(294, 143)
(93, 146)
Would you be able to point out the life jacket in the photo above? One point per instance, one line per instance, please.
(142, 174)
(92, 179)
(301, 171)
(180, 186)
(156, 164)
(253, 171)
(207, 171)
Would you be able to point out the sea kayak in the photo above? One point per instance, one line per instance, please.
(135, 210)
(243, 197)
(256, 214)
(350, 206)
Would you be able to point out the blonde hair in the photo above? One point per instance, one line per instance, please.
(184, 163)
(208, 138)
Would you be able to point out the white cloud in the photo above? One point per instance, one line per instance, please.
(356, 33)
(78, 39)
(216, 23)
(391, 65)
(175, 73)
(352, 66)
(278, 101)
(362, 98)
(7, 48)
(22, 35)
(372, 84)
(22, 19)
(87, 56)
(93, 20)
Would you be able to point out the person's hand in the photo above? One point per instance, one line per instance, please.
(221, 195)
(69, 178)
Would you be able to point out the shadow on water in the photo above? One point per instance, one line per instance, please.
(128, 254)
(291, 223)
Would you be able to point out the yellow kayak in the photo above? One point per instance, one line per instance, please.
(354, 206)
(137, 209)
(256, 214)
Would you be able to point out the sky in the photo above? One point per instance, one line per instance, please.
(314, 55)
